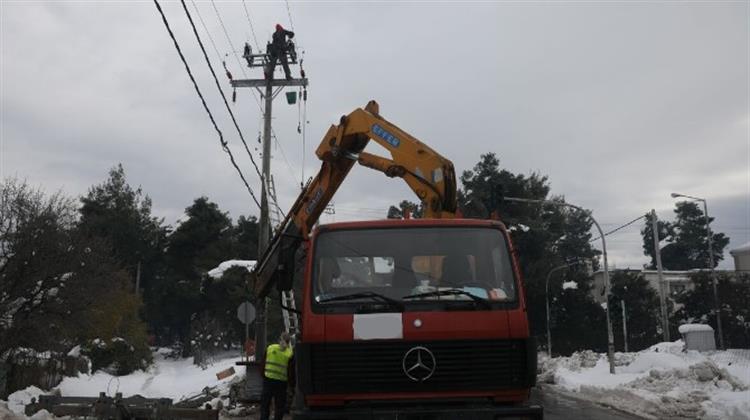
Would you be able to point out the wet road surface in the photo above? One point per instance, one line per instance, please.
(560, 406)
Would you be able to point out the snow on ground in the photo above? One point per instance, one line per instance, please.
(660, 382)
(217, 272)
(166, 378)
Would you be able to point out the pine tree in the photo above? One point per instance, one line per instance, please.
(642, 307)
(686, 237)
(698, 306)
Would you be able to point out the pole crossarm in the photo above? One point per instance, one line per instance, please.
(258, 83)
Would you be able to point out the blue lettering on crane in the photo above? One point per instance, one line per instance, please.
(385, 135)
(314, 201)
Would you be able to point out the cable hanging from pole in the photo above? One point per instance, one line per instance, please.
(205, 28)
(289, 13)
(618, 228)
(203, 101)
(221, 91)
(234, 52)
(250, 21)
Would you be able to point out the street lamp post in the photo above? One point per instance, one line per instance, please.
(546, 298)
(717, 303)
(610, 335)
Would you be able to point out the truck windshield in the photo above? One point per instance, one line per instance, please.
(413, 264)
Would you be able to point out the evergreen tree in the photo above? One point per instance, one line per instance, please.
(196, 246)
(59, 286)
(121, 216)
(697, 306)
(686, 237)
(643, 310)
(245, 238)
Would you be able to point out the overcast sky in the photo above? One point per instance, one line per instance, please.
(619, 103)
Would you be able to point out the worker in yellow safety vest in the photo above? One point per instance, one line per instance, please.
(275, 378)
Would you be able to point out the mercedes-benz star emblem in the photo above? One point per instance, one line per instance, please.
(419, 364)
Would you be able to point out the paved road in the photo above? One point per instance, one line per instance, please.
(559, 406)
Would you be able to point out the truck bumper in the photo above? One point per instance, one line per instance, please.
(478, 412)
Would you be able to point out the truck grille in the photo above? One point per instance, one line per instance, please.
(363, 367)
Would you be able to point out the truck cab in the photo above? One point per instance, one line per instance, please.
(420, 318)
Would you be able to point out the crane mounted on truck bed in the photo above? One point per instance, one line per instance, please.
(401, 319)
(428, 174)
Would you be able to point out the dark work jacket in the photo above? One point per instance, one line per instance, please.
(279, 39)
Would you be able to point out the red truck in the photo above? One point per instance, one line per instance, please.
(401, 318)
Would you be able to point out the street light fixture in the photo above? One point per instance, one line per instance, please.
(610, 335)
(717, 303)
(546, 298)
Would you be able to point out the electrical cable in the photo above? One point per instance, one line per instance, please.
(205, 28)
(252, 29)
(621, 227)
(203, 101)
(283, 155)
(289, 13)
(234, 52)
(221, 91)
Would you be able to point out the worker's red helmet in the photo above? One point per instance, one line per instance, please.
(279, 27)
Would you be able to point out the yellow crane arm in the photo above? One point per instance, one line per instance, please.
(428, 174)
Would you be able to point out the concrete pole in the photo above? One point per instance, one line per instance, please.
(264, 226)
(717, 302)
(610, 335)
(138, 279)
(546, 298)
(624, 325)
(662, 292)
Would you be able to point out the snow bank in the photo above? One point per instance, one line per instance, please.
(660, 382)
(569, 285)
(687, 328)
(217, 272)
(166, 378)
(17, 401)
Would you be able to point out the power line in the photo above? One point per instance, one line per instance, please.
(203, 101)
(621, 227)
(289, 13)
(234, 52)
(250, 21)
(221, 91)
(205, 28)
(283, 155)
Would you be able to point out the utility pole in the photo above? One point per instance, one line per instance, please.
(624, 325)
(268, 88)
(660, 274)
(138, 279)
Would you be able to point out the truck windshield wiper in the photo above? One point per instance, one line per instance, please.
(366, 295)
(451, 292)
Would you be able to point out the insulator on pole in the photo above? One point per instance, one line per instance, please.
(234, 95)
